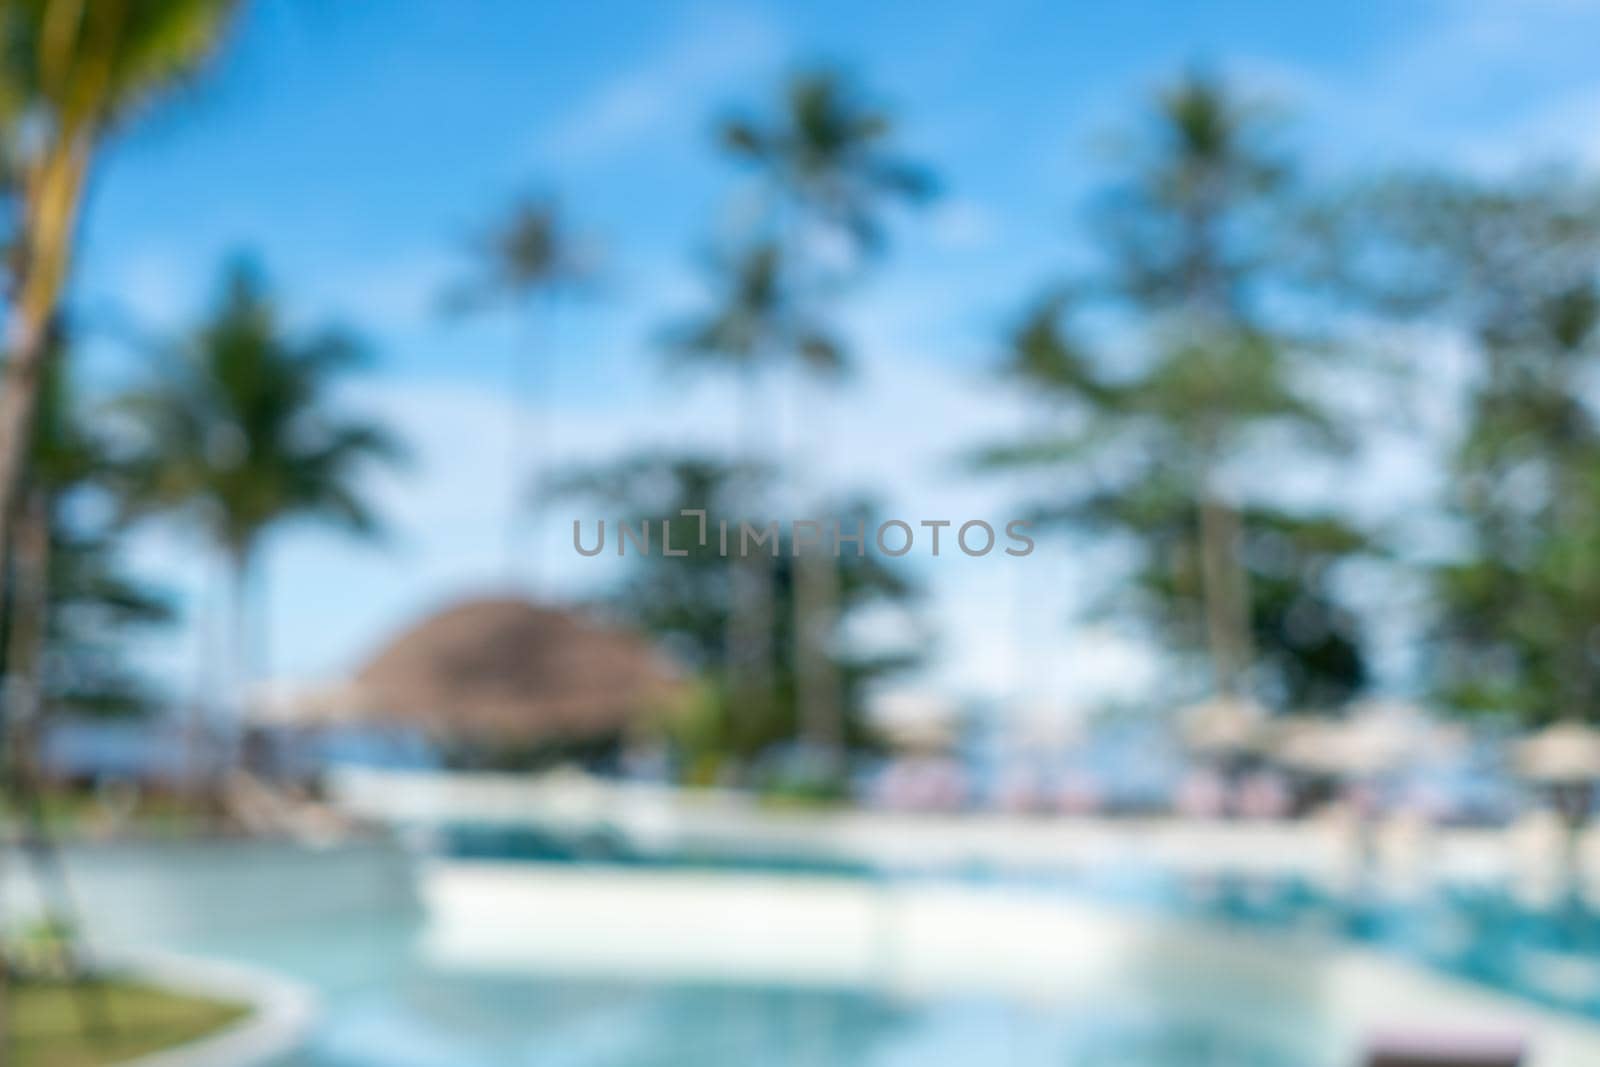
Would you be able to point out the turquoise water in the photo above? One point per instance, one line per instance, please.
(1475, 932)
(346, 923)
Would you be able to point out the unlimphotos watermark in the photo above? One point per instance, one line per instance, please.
(892, 537)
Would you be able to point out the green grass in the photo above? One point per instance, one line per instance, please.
(47, 1022)
(70, 814)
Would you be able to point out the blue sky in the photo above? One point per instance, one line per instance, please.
(353, 146)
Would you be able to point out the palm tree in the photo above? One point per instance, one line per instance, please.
(68, 604)
(528, 255)
(755, 322)
(829, 167)
(1208, 161)
(69, 599)
(71, 72)
(238, 435)
(687, 603)
(826, 152)
(1188, 236)
(1511, 266)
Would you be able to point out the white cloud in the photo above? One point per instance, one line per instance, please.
(714, 49)
(1566, 131)
(1414, 98)
(396, 294)
(963, 224)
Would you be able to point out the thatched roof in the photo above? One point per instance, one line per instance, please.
(505, 670)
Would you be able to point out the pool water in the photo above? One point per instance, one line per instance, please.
(472, 1022)
(1549, 954)
(347, 923)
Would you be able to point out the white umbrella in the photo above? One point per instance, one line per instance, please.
(1564, 753)
(1372, 741)
(1222, 726)
(917, 722)
(1305, 743)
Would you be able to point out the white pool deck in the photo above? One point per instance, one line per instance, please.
(1333, 851)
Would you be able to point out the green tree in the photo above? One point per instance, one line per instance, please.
(71, 603)
(238, 433)
(71, 72)
(828, 158)
(524, 260)
(688, 602)
(829, 172)
(753, 322)
(1172, 378)
(68, 606)
(1512, 269)
(757, 321)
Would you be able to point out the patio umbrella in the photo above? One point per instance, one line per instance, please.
(1223, 727)
(1371, 741)
(1565, 753)
(917, 722)
(1303, 743)
(920, 738)
(1563, 760)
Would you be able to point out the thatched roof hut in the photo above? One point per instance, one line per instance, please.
(504, 671)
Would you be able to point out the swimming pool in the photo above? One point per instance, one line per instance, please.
(348, 922)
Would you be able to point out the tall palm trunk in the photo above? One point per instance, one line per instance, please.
(30, 612)
(816, 608)
(816, 578)
(25, 707)
(1573, 513)
(239, 659)
(519, 442)
(215, 739)
(750, 618)
(1225, 585)
(51, 195)
(1225, 593)
(200, 705)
